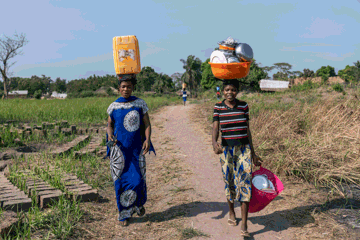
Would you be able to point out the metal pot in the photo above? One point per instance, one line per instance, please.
(230, 56)
(244, 52)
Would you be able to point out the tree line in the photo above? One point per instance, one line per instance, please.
(197, 75)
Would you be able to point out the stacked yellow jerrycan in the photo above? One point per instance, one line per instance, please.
(126, 55)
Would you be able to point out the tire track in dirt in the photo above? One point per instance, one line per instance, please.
(211, 211)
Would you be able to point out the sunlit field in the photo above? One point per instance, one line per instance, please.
(75, 111)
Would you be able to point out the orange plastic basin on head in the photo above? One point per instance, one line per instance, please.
(230, 70)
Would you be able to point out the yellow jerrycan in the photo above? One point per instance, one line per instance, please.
(126, 55)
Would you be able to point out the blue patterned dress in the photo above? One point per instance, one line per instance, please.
(127, 164)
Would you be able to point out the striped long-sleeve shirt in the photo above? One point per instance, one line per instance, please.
(233, 122)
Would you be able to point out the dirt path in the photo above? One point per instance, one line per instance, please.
(210, 212)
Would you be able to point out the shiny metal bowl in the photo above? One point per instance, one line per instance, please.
(244, 51)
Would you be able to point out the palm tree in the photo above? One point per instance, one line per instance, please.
(192, 74)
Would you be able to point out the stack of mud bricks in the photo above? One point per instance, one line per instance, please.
(44, 193)
(11, 198)
(78, 190)
(88, 130)
(63, 126)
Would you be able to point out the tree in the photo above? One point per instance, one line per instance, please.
(208, 80)
(145, 79)
(326, 71)
(9, 48)
(162, 83)
(294, 74)
(176, 78)
(307, 73)
(350, 74)
(192, 74)
(59, 85)
(255, 75)
(280, 76)
(283, 70)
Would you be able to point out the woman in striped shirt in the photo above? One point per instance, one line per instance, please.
(236, 147)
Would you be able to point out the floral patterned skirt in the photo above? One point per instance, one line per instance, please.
(236, 168)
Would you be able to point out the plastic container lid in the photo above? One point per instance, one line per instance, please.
(218, 57)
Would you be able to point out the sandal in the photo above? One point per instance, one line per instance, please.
(232, 222)
(245, 233)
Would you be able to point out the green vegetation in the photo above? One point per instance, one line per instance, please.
(62, 218)
(338, 87)
(8, 136)
(309, 132)
(75, 111)
(192, 74)
(307, 85)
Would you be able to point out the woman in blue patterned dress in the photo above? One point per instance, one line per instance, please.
(129, 132)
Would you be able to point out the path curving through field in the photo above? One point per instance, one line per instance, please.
(211, 211)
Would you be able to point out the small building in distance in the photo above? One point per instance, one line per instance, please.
(58, 95)
(273, 85)
(18, 94)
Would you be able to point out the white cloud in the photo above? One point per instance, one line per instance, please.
(67, 63)
(308, 60)
(207, 52)
(332, 56)
(157, 69)
(297, 48)
(322, 28)
(151, 49)
(97, 73)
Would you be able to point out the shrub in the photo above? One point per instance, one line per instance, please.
(109, 91)
(307, 85)
(37, 94)
(85, 94)
(338, 87)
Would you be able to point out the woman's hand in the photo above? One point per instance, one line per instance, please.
(112, 138)
(217, 148)
(146, 147)
(256, 160)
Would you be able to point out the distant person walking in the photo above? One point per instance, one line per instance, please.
(237, 150)
(129, 132)
(184, 96)
(218, 93)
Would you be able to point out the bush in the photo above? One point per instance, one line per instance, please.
(338, 87)
(85, 94)
(37, 94)
(325, 78)
(110, 92)
(307, 85)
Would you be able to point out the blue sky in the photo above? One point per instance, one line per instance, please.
(73, 39)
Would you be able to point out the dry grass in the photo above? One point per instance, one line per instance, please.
(313, 135)
(318, 142)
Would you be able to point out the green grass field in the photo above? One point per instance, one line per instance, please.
(75, 111)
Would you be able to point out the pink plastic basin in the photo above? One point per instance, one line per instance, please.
(259, 199)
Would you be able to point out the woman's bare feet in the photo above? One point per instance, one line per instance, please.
(125, 223)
